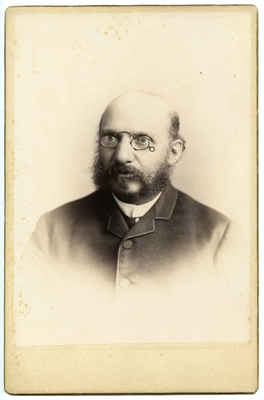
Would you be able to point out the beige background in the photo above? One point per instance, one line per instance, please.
(68, 66)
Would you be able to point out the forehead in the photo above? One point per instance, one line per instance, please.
(137, 114)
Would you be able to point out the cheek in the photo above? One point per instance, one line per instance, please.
(152, 160)
(105, 155)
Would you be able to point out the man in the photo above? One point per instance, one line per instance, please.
(137, 236)
(136, 227)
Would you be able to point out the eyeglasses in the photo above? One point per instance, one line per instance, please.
(137, 142)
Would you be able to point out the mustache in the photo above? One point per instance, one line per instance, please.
(115, 169)
(153, 181)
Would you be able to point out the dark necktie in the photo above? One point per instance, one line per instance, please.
(130, 221)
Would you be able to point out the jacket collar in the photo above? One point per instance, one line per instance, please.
(162, 210)
(166, 203)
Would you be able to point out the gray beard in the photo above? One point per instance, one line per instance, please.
(153, 183)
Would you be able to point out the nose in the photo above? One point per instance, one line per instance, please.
(124, 152)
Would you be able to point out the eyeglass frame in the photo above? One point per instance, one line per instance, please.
(151, 148)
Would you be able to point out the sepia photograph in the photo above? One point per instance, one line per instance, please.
(131, 189)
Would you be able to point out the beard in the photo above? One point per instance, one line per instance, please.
(151, 183)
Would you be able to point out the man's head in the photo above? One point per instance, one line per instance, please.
(138, 146)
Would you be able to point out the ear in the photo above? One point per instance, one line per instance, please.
(175, 152)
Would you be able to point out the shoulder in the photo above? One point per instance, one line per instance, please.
(207, 225)
(188, 206)
(61, 222)
(70, 214)
(84, 206)
(200, 221)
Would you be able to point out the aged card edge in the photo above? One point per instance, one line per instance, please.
(15, 355)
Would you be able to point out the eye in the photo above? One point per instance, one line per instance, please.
(143, 140)
(109, 138)
(109, 141)
(140, 142)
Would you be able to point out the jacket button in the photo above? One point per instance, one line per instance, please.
(128, 244)
(124, 283)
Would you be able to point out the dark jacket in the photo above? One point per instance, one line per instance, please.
(178, 238)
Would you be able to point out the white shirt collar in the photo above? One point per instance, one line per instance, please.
(134, 210)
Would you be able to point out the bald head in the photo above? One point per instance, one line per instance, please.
(151, 102)
(142, 107)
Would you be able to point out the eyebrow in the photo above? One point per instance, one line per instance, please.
(113, 132)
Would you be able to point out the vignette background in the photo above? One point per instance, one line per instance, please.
(68, 66)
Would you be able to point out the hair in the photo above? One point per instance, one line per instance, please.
(174, 129)
(154, 182)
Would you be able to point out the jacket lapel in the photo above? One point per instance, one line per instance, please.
(145, 225)
(166, 204)
(162, 210)
(117, 224)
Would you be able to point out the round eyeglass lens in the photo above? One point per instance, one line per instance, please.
(109, 141)
(140, 143)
